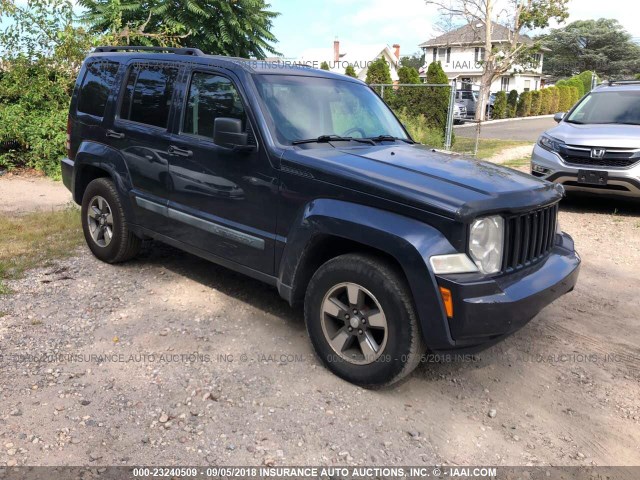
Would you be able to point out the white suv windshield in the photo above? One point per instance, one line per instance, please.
(302, 108)
(622, 107)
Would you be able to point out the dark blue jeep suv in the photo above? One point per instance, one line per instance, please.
(307, 181)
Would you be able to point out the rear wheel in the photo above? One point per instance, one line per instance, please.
(361, 320)
(104, 223)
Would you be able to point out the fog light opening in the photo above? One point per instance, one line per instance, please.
(539, 169)
(447, 299)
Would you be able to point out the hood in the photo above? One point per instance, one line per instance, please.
(597, 135)
(416, 175)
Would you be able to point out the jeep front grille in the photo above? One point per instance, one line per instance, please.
(612, 158)
(529, 237)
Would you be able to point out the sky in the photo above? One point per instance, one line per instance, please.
(306, 24)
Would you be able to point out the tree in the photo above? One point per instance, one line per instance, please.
(536, 101)
(500, 105)
(545, 101)
(524, 105)
(586, 78)
(516, 16)
(240, 28)
(378, 72)
(407, 97)
(435, 100)
(42, 53)
(350, 71)
(414, 61)
(600, 45)
(512, 103)
(324, 66)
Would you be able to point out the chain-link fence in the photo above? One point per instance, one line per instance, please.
(429, 112)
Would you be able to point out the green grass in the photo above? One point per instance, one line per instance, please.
(487, 147)
(35, 240)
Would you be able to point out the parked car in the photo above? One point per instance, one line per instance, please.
(595, 148)
(306, 180)
(459, 112)
(469, 98)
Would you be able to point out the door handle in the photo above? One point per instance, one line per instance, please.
(114, 134)
(173, 150)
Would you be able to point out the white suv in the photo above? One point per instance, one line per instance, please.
(596, 146)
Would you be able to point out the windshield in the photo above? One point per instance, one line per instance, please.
(608, 107)
(300, 108)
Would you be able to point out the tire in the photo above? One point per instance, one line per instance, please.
(120, 244)
(333, 290)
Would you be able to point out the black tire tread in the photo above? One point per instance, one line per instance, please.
(130, 245)
(400, 288)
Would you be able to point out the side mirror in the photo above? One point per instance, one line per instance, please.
(558, 117)
(227, 132)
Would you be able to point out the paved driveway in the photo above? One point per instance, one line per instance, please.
(525, 130)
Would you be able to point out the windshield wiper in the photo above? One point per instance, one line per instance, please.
(389, 138)
(333, 138)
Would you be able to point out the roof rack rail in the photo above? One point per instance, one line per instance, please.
(178, 51)
(622, 82)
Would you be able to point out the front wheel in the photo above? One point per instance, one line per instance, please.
(104, 223)
(361, 320)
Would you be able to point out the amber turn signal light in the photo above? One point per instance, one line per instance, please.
(447, 299)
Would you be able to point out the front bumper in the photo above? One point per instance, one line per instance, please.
(624, 182)
(486, 310)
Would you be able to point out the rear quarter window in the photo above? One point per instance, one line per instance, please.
(147, 95)
(95, 87)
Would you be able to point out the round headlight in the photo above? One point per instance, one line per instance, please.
(486, 243)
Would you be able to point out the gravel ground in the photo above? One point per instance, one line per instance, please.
(171, 360)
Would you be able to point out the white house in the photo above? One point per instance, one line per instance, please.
(360, 56)
(461, 51)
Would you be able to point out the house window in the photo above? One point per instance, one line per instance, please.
(444, 54)
(537, 58)
(466, 83)
(479, 54)
(435, 54)
(504, 84)
(527, 85)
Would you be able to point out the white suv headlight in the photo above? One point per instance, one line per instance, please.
(486, 243)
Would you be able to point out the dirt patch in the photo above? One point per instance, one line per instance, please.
(510, 154)
(170, 359)
(22, 194)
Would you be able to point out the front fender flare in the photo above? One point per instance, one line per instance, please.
(409, 241)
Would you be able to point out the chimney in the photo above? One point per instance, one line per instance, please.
(336, 50)
(396, 47)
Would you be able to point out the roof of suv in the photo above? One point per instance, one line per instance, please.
(193, 55)
(621, 85)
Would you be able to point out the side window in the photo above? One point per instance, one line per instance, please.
(147, 95)
(95, 87)
(210, 96)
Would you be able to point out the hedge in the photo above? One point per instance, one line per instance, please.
(499, 106)
(524, 105)
(545, 101)
(536, 98)
(564, 103)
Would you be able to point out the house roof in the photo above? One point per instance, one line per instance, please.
(353, 54)
(471, 34)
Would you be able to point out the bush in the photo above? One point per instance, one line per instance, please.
(408, 98)
(524, 105)
(555, 100)
(578, 85)
(575, 95)
(42, 53)
(324, 66)
(421, 130)
(545, 101)
(512, 103)
(564, 103)
(350, 71)
(434, 101)
(378, 72)
(536, 100)
(500, 106)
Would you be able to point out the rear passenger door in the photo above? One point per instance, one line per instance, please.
(140, 132)
(222, 201)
